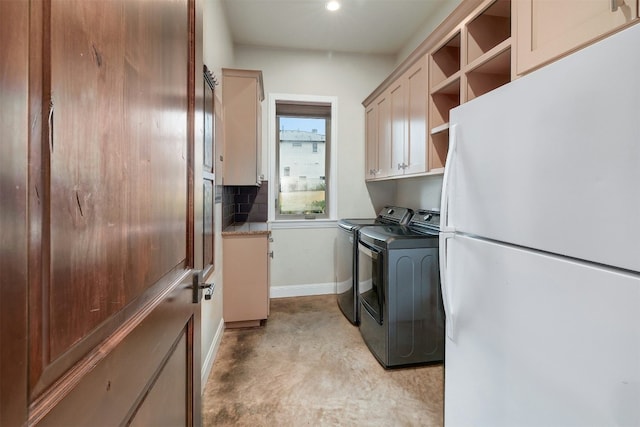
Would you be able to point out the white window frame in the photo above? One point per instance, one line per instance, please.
(272, 99)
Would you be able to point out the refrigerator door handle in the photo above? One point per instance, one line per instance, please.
(445, 267)
(447, 188)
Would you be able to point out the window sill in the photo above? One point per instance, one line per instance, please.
(302, 223)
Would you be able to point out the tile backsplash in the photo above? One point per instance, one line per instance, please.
(228, 206)
(244, 204)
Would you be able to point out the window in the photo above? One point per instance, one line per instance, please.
(303, 135)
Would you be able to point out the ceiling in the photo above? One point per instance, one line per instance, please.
(363, 26)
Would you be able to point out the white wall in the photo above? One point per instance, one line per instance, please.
(218, 47)
(218, 53)
(383, 193)
(350, 78)
(419, 193)
(303, 262)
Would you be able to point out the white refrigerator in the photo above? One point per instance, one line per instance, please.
(540, 246)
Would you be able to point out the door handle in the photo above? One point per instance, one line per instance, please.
(197, 286)
(445, 285)
(615, 4)
(208, 293)
(446, 180)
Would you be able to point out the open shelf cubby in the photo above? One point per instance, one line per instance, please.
(438, 150)
(445, 61)
(489, 75)
(442, 101)
(487, 30)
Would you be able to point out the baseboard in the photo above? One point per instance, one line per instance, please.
(207, 364)
(302, 290)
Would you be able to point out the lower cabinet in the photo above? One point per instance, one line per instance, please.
(246, 279)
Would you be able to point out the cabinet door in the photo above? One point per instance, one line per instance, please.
(398, 123)
(371, 141)
(416, 99)
(112, 325)
(383, 106)
(246, 283)
(242, 126)
(259, 171)
(547, 29)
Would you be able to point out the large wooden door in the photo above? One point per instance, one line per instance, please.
(14, 107)
(99, 201)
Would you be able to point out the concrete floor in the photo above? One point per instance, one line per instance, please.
(309, 366)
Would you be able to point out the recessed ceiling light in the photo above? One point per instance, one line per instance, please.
(333, 5)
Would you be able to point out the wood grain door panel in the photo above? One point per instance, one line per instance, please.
(116, 383)
(170, 387)
(117, 187)
(118, 172)
(14, 127)
(109, 111)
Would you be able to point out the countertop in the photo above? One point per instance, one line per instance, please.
(246, 228)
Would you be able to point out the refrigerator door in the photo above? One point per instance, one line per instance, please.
(540, 341)
(552, 160)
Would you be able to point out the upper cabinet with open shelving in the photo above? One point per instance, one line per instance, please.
(444, 88)
(472, 60)
(468, 55)
(490, 28)
(488, 53)
(445, 62)
(473, 52)
(444, 94)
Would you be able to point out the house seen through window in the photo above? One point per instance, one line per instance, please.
(302, 153)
